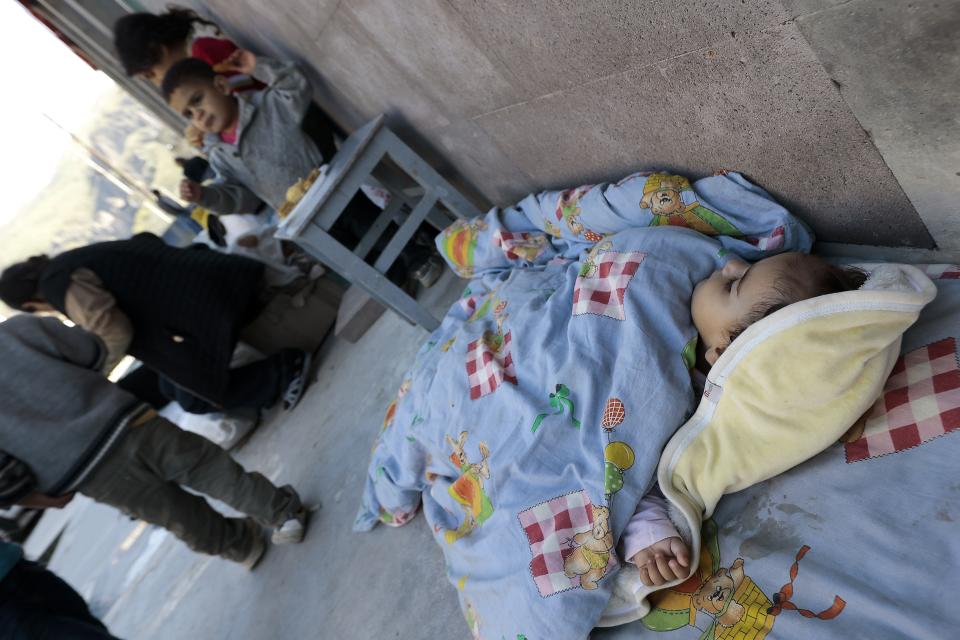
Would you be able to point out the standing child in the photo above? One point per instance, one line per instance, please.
(148, 45)
(256, 146)
(65, 428)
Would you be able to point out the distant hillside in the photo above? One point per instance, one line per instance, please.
(81, 205)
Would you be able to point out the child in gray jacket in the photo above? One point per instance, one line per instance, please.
(256, 145)
(65, 428)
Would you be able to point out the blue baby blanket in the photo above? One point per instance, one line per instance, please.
(533, 419)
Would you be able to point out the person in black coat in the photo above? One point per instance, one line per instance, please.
(179, 311)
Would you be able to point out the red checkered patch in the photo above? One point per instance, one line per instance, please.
(920, 402)
(599, 289)
(521, 245)
(488, 368)
(768, 243)
(550, 526)
(942, 271)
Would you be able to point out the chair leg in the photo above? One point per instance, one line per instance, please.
(377, 228)
(403, 235)
(438, 218)
(318, 243)
(426, 175)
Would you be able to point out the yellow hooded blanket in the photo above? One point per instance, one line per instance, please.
(784, 391)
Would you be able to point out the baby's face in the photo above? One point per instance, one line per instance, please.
(207, 105)
(727, 297)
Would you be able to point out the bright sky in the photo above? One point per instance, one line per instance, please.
(40, 76)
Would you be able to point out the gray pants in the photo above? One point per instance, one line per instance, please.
(144, 475)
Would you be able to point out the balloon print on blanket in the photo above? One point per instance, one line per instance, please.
(618, 456)
(570, 538)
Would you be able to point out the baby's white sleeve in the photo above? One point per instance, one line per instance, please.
(649, 524)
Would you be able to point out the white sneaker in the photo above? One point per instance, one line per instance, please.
(429, 272)
(316, 271)
(293, 530)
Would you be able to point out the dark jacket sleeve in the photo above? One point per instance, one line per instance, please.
(229, 197)
(16, 480)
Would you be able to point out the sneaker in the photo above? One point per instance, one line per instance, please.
(216, 230)
(259, 547)
(293, 530)
(299, 370)
(245, 418)
(316, 271)
(429, 272)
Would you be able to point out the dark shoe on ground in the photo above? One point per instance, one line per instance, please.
(429, 272)
(296, 377)
(259, 547)
(216, 231)
(410, 287)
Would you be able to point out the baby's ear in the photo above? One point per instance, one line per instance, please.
(713, 353)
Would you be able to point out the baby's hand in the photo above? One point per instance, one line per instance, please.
(190, 191)
(240, 61)
(662, 561)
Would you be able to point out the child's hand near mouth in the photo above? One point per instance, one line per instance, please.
(240, 61)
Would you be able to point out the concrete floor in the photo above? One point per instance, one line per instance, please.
(385, 584)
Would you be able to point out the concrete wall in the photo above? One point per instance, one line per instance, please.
(511, 96)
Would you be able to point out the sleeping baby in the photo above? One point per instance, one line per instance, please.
(560, 375)
(723, 306)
